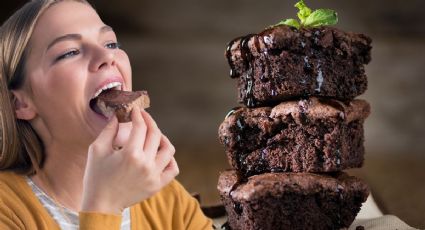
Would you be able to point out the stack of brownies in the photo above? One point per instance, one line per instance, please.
(300, 126)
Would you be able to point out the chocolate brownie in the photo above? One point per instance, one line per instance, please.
(307, 135)
(283, 62)
(274, 201)
(120, 103)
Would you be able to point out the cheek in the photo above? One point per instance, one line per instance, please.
(59, 84)
(67, 80)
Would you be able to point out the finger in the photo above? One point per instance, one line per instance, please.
(170, 172)
(153, 136)
(123, 134)
(172, 166)
(107, 135)
(165, 154)
(137, 136)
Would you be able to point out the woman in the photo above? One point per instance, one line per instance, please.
(62, 165)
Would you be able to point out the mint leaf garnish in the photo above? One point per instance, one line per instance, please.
(309, 18)
(303, 11)
(321, 17)
(289, 22)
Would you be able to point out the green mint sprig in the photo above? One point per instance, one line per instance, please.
(309, 18)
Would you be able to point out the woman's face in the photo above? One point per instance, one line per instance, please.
(73, 55)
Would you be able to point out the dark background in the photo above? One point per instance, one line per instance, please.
(177, 53)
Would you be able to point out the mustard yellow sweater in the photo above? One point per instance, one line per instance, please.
(172, 208)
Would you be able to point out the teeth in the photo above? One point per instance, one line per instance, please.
(108, 86)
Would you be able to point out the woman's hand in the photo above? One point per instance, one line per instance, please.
(116, 179)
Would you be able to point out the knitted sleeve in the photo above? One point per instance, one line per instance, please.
(8, 219)
(99, 221)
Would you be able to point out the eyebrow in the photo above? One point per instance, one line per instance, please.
(67, 37)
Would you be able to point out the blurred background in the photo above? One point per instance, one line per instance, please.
(177, 53)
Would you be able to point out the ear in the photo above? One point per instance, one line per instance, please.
(24, 108)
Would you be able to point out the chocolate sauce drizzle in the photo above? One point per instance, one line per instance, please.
(233, 73)
(339, 190)
(319, 77)
(307, 64)
(263, 160)
(248, 65)
(232, 111)
(338, 159)
(246, 56)
(265, 77)
(240, 125)
(266, 69)
(226, 226)
(237, 207)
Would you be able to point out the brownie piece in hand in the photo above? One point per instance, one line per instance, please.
(120, 103)
(275, 201)
(308, 135)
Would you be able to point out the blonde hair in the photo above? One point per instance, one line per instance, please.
(21, 148)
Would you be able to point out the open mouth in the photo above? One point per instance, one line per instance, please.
(94, 101)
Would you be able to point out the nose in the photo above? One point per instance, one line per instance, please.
(101, 58)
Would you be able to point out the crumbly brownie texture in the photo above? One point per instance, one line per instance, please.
(121, 103)
(308, 135)
(274, 201)
(283, 62)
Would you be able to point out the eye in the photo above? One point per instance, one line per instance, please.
(68, 54)
(113, 45)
